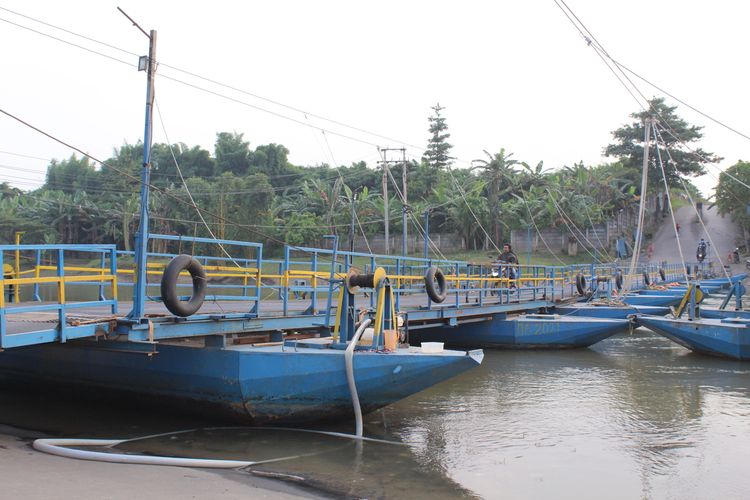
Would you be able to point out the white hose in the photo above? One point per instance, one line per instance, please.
(349, 360)
(59, 447)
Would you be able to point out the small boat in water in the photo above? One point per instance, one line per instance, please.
(711, 313)
(661, 300)
(593, 310)
(728, 337)
(527, 331)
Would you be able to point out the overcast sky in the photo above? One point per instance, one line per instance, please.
(513, 75)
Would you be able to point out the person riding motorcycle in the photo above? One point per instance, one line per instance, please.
(700, 253)
(508, 257)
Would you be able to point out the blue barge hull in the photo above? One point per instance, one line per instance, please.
(651, 300)
(726, 338)
(524, 332)
(251, 384)
(723, 313)
(604, 311)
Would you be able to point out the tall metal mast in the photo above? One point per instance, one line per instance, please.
(141, 247)
(642, 205)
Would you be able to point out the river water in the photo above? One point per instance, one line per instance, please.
(634, 416)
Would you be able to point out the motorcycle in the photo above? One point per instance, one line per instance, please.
(701, 254)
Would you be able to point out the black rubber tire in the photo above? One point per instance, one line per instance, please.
(646, 278)
(169, 286)
(581, 284)
(618, 280)
(436, 293)
(662, 274)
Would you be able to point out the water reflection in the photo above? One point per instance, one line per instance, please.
(636, 416)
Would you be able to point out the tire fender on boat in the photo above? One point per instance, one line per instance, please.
(436, 291)
(169, 285)
(662, 274)
(581, 284)
(646, 278)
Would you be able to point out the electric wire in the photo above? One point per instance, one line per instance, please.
(187, 189)
(463, 195)
(531, 216)
(596, 233)
(697, 213)
(416, 222)
(562, 216)
(669, 201)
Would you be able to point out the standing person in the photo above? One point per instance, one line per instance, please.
(650, 251)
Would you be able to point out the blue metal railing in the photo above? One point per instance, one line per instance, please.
(14, 284)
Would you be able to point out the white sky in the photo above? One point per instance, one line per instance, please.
(510, 74)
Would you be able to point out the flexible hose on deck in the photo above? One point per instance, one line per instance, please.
(349, 360)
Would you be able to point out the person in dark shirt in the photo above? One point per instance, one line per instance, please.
(508, 257)
(700, 253)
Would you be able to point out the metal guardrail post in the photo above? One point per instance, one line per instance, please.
(102, 263)
(61, 293)
(284, 280)
(37, 263)
(3, 325)
(329, 300)
(314, 281)
(258, 279)
(113, 270)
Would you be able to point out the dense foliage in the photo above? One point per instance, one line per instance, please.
(258, 195)
(733, 194)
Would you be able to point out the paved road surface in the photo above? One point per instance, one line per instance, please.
(725, 234)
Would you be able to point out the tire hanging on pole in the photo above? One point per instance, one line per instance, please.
(435, 285)
(662, 274)
(581, 284)
(169, 294)
(618, 280)
(646, 278)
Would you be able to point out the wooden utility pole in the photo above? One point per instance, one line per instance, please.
(386, 174)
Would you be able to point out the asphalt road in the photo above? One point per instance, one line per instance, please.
(724, 234)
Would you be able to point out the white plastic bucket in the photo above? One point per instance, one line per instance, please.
(432, 347)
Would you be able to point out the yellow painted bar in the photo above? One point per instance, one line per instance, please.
(57, 279)
(61, 291)
(339, 312)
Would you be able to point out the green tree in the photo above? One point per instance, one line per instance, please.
(679, 138)
(732, 195)
(71, 175)
(437, 155)
(232, 153)
(501, 179)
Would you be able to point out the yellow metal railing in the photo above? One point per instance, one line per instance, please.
(61, 281)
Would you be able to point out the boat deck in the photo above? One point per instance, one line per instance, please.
(54, 301)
